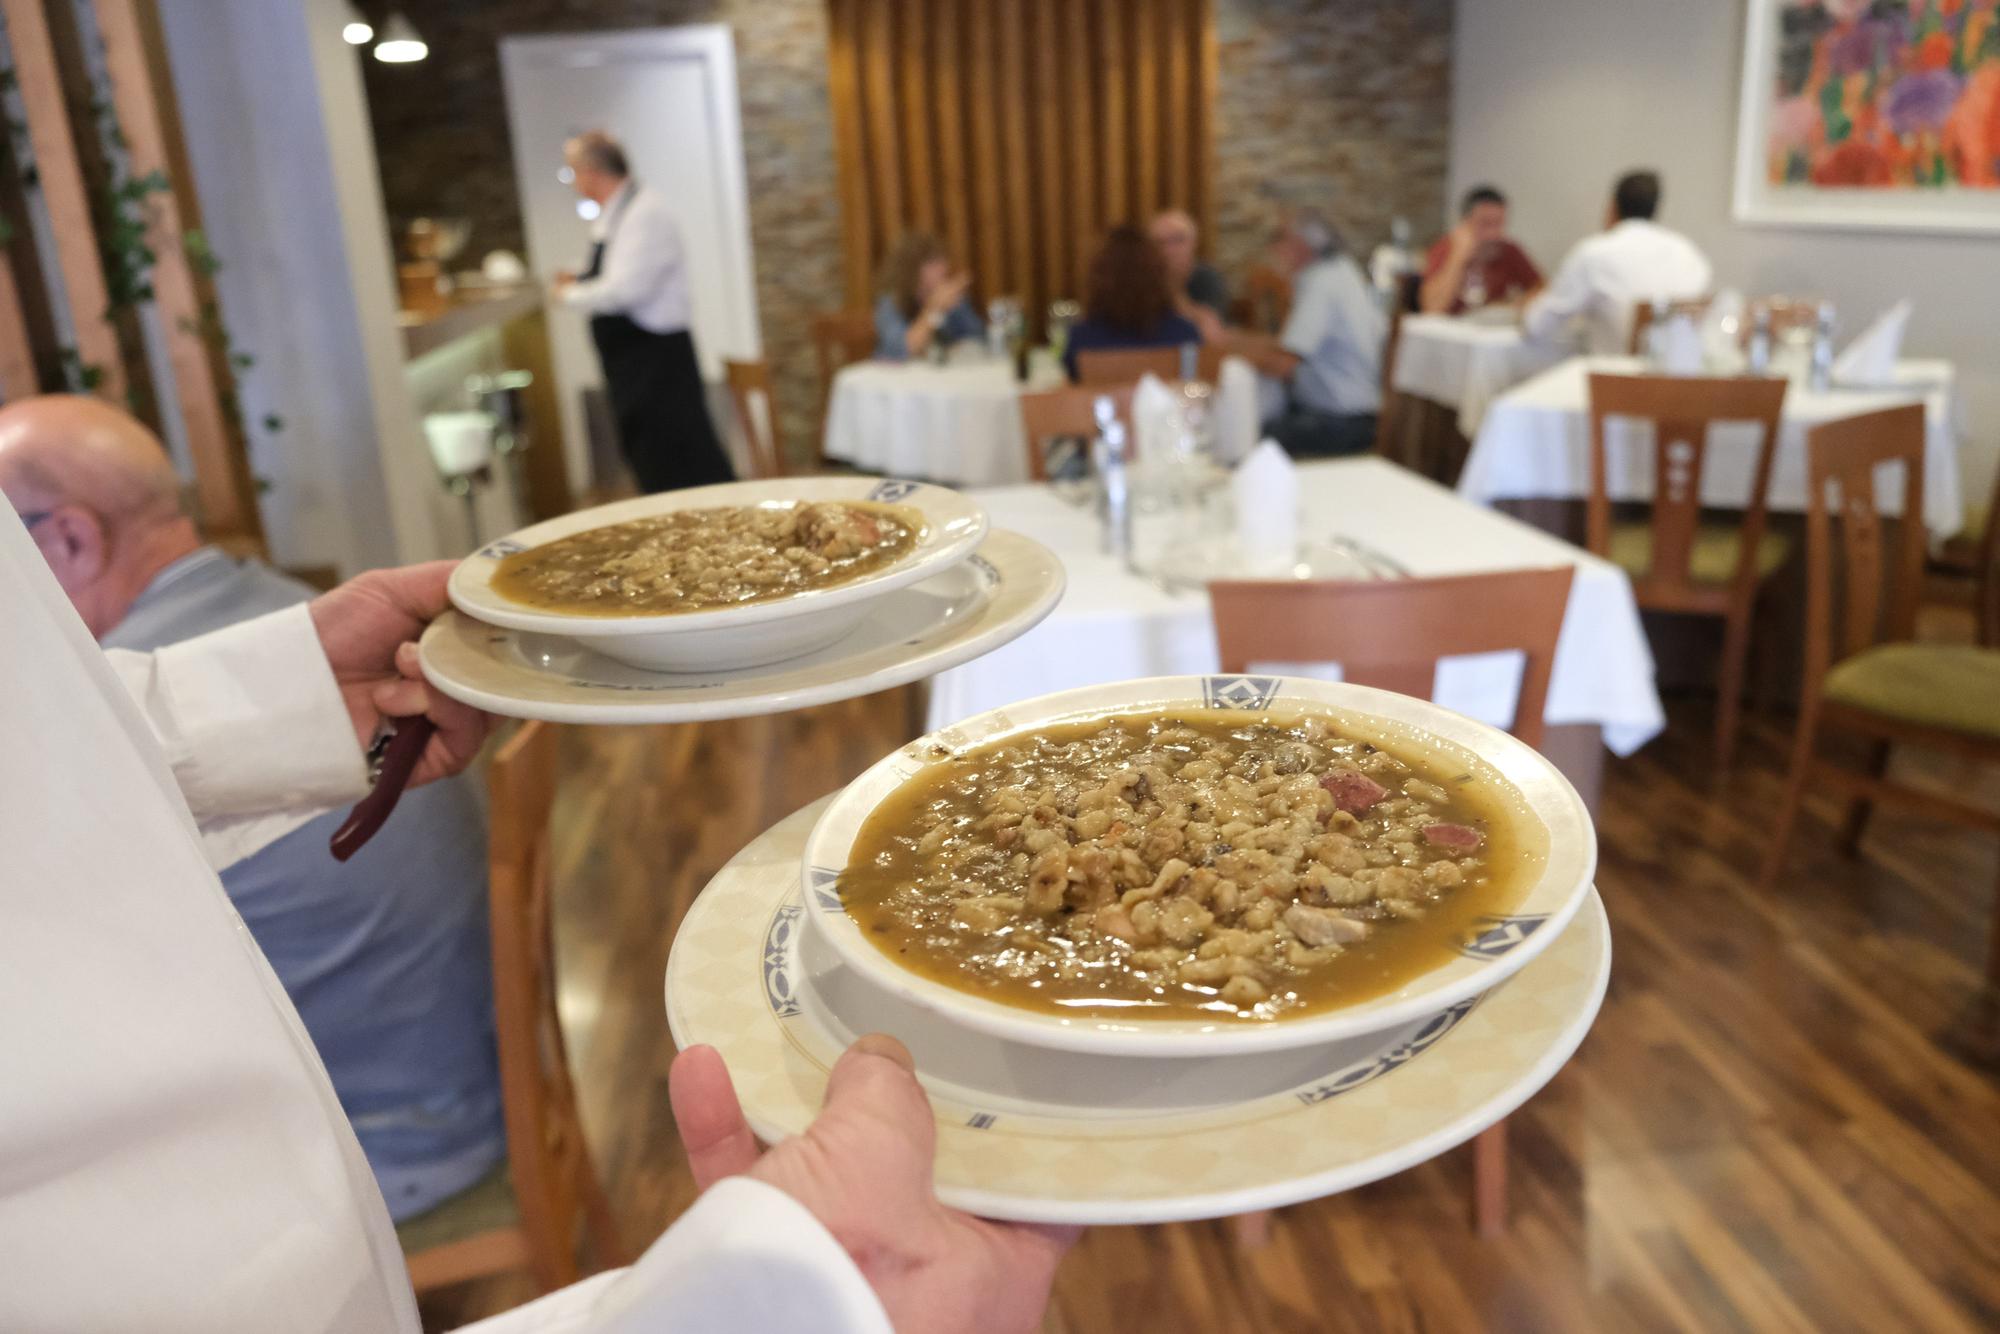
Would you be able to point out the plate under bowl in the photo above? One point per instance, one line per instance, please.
(1499, 947)
(751, 635)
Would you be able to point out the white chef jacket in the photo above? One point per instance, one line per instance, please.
(1605, 276)
(642, 273)
(172, 1157)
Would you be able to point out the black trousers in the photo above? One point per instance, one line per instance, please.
(1306, 434)
(657, 395)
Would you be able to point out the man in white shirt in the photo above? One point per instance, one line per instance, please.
(1606, 277)
(635, 289)
(172, 1155)
(1329, 354)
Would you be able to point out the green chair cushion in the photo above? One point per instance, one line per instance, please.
(486, 1204)
(1952, 686)
(1713, 560)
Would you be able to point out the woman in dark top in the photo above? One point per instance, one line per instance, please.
(1129, 303)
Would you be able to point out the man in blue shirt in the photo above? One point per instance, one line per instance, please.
(385, 956)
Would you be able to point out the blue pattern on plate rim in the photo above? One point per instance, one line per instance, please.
(888, 492)
(506, 546)
(982, 1120)
(824, 888)
(1239, 692)
(1494, 936)
(1372, 1069)
(985, 567)
(779, 989)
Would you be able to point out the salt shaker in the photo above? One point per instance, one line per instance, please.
(1760, 341)
(1822, 349)
(1114, 485)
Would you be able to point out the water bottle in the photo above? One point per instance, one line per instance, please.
(1760, 341)
(1190, 360)
(1108, 456)
(1822, 349)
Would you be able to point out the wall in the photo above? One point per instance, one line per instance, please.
(1343, 100)
(1553, 98)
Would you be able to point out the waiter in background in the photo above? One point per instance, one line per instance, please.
(635, 288)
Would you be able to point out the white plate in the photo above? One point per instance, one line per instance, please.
(729, 637)
(974, 607)
(1502, 945)
(1034, 1135)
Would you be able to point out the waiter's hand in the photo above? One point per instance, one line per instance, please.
(368, 627)
(864, 1170)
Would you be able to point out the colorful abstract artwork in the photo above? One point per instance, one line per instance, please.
(1871, 113)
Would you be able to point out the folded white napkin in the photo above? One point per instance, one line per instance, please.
(1265, 488)
(1235, 410)
(1871, 357)
(1157, 419)
(1680, 346)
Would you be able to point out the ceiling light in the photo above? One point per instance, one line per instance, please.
(357, 31)
(400, 44)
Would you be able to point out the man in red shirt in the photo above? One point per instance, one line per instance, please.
(1474, 264)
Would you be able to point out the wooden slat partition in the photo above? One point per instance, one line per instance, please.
(1018, 130)
(51, 135)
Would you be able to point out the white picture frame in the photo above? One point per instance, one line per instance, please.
(1756, 201)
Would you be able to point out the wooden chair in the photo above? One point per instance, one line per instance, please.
(1866, 676)
(1388, 421)
(1390, 634)
(1677, 562)
(1123, 365)
(530, 1212)
(1266, 301)
(839, 337)
(1642, 319)
(748, 382)
(1060, 414)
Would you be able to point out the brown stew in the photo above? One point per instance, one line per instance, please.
(702, 559)
(1184, 864)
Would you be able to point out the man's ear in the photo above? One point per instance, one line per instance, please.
(75, 544)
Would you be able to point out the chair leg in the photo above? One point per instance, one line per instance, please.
(1489, 1181)
(1861, 807)
(1794, 796)
(1252, 1230)
(1993, 938)
(1729, 682)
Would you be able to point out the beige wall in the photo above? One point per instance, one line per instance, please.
(1553, 98)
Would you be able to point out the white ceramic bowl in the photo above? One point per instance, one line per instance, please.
(1498, 950)
(729, 637)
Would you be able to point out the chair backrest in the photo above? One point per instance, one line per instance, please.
(1123, 365)
(1681, 409)
(1873, 595)
(1390, 633)
(1266, 301)
(1055, 414)
(1642, 318)
(839, 337)
(1388, 420)
(546, 1153)
(750, 382)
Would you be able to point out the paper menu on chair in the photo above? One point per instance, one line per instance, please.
(1265, 488)
(1871, 358)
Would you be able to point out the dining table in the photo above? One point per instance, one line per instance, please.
(1533, 442)
(1115, 622)
(1464, 362)
(958, 423)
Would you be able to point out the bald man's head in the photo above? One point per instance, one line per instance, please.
(99, 495)
(1174, 235)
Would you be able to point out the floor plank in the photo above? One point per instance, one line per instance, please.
(1784, 1119)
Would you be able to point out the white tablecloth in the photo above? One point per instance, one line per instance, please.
(958, 423)
(1535, 441)
(1465, 364)
(1114, 625)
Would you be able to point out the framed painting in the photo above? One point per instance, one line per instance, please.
(1871, 114)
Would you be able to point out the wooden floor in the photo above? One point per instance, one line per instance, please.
(1786, 1118)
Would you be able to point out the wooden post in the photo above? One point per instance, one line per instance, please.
(223, 486)
(54, 144)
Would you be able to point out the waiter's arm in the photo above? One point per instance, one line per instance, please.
(640, 257)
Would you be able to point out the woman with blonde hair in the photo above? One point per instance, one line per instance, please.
(922, 300)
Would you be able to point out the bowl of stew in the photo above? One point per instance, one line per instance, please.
(1184, 866)
(719, 577)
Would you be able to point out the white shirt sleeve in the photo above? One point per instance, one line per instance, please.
(640, 258)
(252, 726)
(1561, 301)
(746, 1259)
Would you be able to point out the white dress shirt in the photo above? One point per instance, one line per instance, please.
(1336, 330)
(1606, 276)
(643, 271)
(172, 1156)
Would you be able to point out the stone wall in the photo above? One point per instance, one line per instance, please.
(1346, 101)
